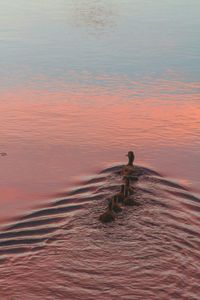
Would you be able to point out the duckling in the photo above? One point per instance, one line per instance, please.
(128, 190)
(116, 207)
(108, 216)
(129, 201)
(132, 178)
(128, 169)
(121, 195)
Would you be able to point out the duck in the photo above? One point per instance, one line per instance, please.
(116, 207)
(129, 168)
(108, 215)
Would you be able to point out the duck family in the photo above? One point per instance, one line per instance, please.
(124, 196)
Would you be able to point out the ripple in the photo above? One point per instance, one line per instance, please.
(149, 244)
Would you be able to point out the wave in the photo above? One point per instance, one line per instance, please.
(34, 230)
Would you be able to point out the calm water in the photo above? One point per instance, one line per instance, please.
(82, 82)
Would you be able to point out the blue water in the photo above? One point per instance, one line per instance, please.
(46, 41)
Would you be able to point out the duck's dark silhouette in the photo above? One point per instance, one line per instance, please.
(108, 216)
(121, 195)
(129, 192)
(116, 207)
(128, 169)
(128, 189)
(129, 201)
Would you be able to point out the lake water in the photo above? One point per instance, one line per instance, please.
(82, 82)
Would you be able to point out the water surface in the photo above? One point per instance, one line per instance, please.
(81, 83)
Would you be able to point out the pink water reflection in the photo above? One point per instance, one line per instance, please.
(53, 137)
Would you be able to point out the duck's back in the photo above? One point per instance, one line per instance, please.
(127, 170)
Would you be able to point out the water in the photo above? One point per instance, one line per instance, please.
(83, 82)
(63, 252)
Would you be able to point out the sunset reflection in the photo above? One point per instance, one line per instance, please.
(44, 133)
(94, 115)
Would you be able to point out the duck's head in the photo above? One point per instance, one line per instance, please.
(131, 157)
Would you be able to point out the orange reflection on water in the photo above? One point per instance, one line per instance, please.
(51, 137)
(30, 115)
